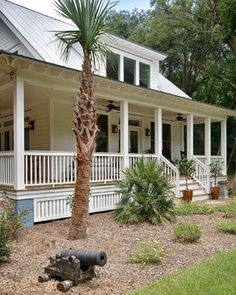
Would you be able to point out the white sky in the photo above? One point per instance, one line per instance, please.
(47, 7)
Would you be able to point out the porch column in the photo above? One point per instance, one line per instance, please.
(189, 136)
(137, 73)
(121, 68)
(208, 140)
(224, 145)
(19, 133)
(124, 132)
(158, 132)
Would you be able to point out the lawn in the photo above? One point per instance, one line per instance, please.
(215, 276)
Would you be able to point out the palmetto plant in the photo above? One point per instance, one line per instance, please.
(146, 194)
(90, 18)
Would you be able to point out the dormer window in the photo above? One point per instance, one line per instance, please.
(113, 64)
(144, 75)
(129, 70)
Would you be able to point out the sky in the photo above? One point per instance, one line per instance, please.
(47, 7)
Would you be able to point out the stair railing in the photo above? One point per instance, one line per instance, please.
(202, 174)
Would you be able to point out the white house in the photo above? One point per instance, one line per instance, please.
(141, 114)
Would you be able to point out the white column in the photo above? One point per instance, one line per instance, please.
(208, 140)
(121, 69)
(19, 133)
(124, 132)
(137, 73)
(158, 132)
(189, 136)
(224, 144)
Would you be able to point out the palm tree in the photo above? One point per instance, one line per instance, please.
(90, 18)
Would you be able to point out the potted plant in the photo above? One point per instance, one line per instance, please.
(187, 169)
(215, 170)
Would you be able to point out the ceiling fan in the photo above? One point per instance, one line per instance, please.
(111, 106)
(180, 118)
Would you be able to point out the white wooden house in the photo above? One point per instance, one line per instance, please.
(141, 114)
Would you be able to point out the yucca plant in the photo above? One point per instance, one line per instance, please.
(146, 194)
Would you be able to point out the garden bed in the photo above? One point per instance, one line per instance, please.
(29, 255)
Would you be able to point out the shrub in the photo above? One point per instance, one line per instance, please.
(228, 226)
(187, 233)
(146, 195)
(191, 208)
(10, 222)
(4, 251)
(147, 252)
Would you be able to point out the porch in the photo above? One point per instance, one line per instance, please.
(36, 156)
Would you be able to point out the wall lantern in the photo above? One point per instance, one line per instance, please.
(31, 125)
(114, 129)
(147, 132)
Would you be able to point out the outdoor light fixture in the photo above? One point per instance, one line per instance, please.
(114, 129)
(147, 132)
(31, 125)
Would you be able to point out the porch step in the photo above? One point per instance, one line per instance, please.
(199, 192)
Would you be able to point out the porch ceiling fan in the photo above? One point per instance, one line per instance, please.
(180, 118)
(110, 107)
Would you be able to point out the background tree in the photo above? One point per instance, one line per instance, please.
(90, 18)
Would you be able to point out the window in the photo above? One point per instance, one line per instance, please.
(113, 65)
(102, 136)
(144, 75)
(199, 139)
(129, 70)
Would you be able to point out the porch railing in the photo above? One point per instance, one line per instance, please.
(53, 168)
(6, 168)
(202, 174)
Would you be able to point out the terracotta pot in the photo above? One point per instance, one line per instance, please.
(188, 195)
(215, 192)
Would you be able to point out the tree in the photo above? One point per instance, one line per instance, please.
(90, 18)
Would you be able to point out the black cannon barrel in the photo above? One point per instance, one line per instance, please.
(85, 257)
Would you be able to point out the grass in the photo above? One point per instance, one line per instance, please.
(228, 226)
(200, 208)
(187, 233)
(147, 252)
(215, 276)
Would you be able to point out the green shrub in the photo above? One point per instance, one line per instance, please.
(147, 252)
(146, 195)
(4, 251)
(187, 233)
(10, 222)
(193, 208)
(228, 226)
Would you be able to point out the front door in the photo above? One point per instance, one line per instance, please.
(133, 141)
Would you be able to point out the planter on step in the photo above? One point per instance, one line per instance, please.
(188, 195)
(215, 192)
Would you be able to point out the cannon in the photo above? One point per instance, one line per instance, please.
(72, 266)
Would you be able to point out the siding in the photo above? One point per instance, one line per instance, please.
(9, 42)
(39, 138)
(63, 136)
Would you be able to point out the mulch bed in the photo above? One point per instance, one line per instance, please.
(30, 254)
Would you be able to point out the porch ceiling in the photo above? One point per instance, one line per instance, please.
(55, 81)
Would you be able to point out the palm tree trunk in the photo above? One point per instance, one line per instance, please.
(85, 130)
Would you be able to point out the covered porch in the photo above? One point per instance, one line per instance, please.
(37, 143)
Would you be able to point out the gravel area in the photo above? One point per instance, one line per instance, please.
(30, 254)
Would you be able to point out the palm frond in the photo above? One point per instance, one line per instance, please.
(90, 18)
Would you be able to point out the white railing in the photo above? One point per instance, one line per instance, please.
(217, 159)
(106, 167)
(202, 174)
(53, 168)
(201, 158)
(49, 168)
(7, 168)
(170, 171)
(134, 158)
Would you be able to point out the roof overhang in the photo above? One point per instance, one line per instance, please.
(51, 75)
